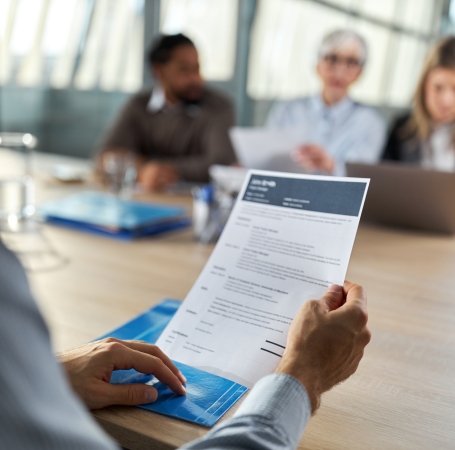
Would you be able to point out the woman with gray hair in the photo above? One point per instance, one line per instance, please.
(334, 129)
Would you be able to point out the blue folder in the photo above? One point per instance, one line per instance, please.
(125, 235)
(107, 215)
(208, 396)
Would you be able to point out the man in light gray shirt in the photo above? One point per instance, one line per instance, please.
(44, 404)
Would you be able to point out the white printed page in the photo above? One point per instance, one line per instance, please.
(288, 238)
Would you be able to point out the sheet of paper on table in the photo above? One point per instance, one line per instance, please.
(288, 238)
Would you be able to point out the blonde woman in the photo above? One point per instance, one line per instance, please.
(426, 137)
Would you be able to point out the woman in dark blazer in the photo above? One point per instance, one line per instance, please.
(403, 143)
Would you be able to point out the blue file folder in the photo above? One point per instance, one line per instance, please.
(208, 396)
(106, 215)
(124, 235)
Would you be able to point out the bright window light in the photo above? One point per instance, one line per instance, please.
(115, 39)
(31, 68)
(25, 26)
(5, 6)
(7, 10)
(131, 75)
(406, 71)
(123, 47)
(383, 10)
(87, 75)
(58, 26)
(418, 15)
(213, 27)
(63, 68)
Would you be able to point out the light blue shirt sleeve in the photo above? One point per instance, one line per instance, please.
(366, 144)
(39, 410)
(347, 131)
(279, 116)
(273, 417)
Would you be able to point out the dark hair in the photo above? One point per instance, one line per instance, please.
(161, 50)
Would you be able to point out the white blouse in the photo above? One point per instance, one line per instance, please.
(439, 153)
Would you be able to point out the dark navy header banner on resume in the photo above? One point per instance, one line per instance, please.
(334, 197)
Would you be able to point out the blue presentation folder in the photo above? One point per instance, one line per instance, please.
(208, 396)
(124, 235)
(106, 215)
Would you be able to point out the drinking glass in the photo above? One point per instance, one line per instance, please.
(120, 171)
(17, 188)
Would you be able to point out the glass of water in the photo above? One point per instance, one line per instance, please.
(17, 188)
(120, 171)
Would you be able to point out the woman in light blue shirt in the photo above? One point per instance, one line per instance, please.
(334, 128)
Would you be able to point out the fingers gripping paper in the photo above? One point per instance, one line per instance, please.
(288, 238)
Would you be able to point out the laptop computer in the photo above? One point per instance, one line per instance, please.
(408, 196)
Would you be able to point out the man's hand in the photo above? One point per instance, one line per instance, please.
(90, 367)
(157, 176)
(326, 340)
(313, 157)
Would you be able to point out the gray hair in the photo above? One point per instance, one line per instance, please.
(343, 38)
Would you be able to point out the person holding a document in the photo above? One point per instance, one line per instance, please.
(264, 321)
(334, 129)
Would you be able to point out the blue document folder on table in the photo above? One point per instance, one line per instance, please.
(208, 396)
(106, 215)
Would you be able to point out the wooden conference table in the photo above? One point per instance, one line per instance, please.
(403, 394)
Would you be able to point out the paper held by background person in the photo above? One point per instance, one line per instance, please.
(289, 237)
(267, 149)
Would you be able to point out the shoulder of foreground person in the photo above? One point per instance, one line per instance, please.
(38, 409)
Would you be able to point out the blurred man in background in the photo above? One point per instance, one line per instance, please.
(178, 129)
(334, 128)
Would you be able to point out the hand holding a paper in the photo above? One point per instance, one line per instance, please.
(314, 157)
(90, 367)
(326, 340)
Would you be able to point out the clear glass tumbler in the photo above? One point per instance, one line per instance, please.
(17, 188)
(120, 171)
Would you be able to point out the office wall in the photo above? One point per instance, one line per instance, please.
(67, 122)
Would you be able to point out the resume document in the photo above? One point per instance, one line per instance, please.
(289, 237)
